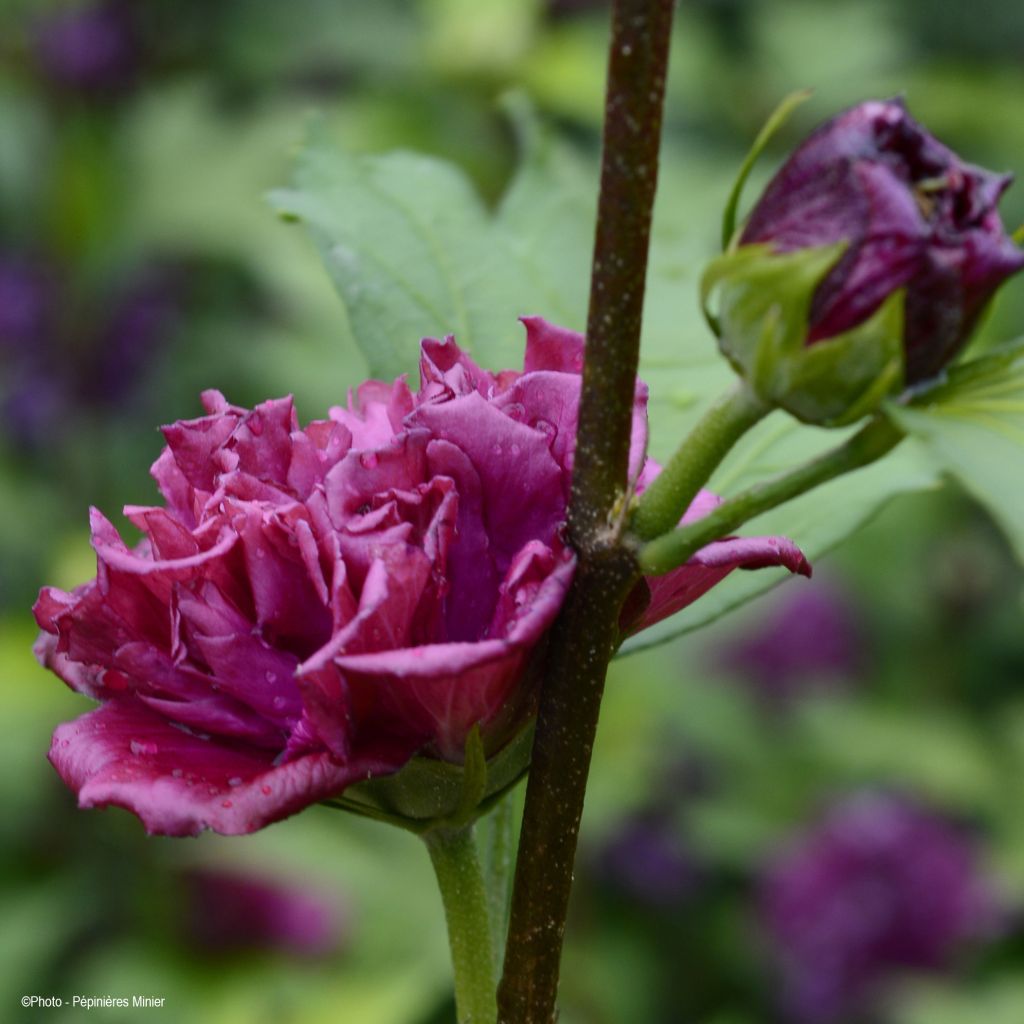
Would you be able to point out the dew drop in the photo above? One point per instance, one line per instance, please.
(516, 449)
(271, 678)
(496, 449)
(266, 790)
(368, 460)
(279, 703)
(142, 747)
(235, 780)
(177, 773)
(546, 428)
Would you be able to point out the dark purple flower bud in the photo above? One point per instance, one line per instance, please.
(811, 636)
(881, 885)
(647, 859)
(228, 912)
(94, 49)
(912, 215)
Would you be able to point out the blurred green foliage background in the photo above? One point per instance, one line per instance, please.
(139, 264)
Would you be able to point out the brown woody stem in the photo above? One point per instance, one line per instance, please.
(585, 635)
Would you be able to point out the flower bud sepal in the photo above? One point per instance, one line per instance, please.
(763, 311)
(428, 793)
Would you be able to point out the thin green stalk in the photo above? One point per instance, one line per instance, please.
(671, 550)
(663, 503)
(457, 867)
(497, 847)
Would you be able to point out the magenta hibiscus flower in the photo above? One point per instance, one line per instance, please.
(313, 606)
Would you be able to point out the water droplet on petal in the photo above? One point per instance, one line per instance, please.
(143, 747)
(266, 790)
(235, 780)
(279, 703)
(546, 428)
(368, 460)
(496, 449)
(516, 449)
(271, 678)
(177, 773)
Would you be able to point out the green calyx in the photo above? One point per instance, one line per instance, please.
(776, 120)
(763, 307)
(429, 794)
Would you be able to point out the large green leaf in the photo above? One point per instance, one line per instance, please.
(413, 252)
(973, 425)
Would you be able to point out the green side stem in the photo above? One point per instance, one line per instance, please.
(662, 505)
(454, 856)
(498, 834)
(671, 550)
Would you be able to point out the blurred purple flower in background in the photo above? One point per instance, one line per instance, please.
(228, 912)
(27, 298)
(648, 859)
(94, 50)
(143, 313)
(811, 637)
(879, 886)
(60, 351)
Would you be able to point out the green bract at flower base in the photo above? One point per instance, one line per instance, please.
(429, 794)
(764, 299)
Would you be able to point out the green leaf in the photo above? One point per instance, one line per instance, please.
(414, 252)
(973, 426)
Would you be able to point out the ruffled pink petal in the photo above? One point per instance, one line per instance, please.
(447, 372)
(174, 486)
(179, 783)
(286, 598)
(376, 414)
(437, 693)
(675, 590)
(551, 348)
(360, 476)
(315, 451)
(85, 679)
(262, 440)
(471, 573)
(521, 482)
(192, 444)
